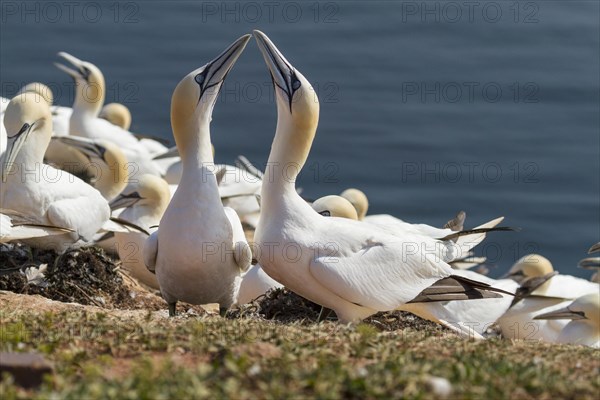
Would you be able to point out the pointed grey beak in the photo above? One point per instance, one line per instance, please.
(513, 275)
(216, 71)
(563, 313)
(595, 248)
(79, 72)
(124, 200)
(172, 152)
(13, 147)
(282, 72)
(590, 263)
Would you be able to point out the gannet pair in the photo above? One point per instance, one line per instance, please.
(89, 99)
(541, 290)
(43, 194)
(199, 251)
(345, 265)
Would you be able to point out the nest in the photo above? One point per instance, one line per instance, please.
(284, 306)
(86, 276)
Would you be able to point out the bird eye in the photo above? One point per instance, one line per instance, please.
(200, 78)
(296, 84)
(326, 213)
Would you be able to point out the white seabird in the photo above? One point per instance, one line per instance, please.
(199, 251)
(89, 99)
(345, 265)
(47, 196)
(145, 202)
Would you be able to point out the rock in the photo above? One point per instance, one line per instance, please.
(440, 387)
(27, 369)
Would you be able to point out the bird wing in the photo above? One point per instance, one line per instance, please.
(150, 251)
(11, 229)
(78, 214)
(377, 275)
(241, 249)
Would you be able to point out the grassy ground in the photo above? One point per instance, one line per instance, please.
(99, 353)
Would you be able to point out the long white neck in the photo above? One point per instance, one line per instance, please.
(192, 135)
(193, 141)
(289, 152)
(89, 99)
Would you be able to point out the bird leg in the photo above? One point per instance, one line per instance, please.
(325, 312)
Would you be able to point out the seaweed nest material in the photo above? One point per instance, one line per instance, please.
(85, 275)
(284, 306)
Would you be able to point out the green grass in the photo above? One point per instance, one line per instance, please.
(108, 355)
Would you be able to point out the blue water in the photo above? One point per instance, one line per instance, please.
(429, 107)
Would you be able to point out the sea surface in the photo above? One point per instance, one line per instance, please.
(430, 107)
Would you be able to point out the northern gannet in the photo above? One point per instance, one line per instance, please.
(584, 317)
(145, 202)
(47, 196)
(541, 290)
(335, 206)
(345, 265)
(89, 98)
(358, 199)
(199, 251)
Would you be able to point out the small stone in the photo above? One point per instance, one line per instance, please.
(27, 369)
(254, 370)
(439, 386)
